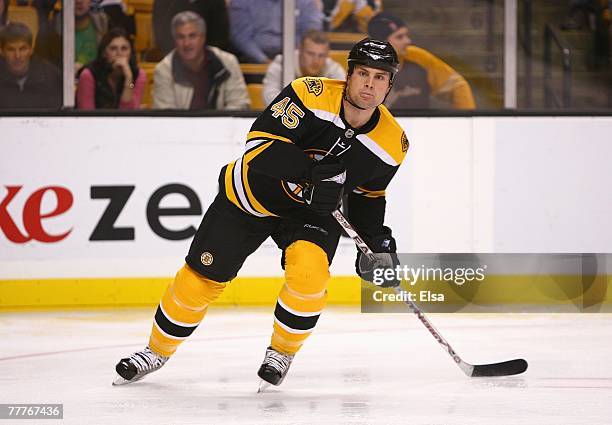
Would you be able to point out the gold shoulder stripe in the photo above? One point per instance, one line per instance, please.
(229, 187)
(388, 139)
(254, 152)
(263, 134)
(369, 193)
(319, 94)
(245, 163)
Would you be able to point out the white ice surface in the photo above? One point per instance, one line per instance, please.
(355, 369)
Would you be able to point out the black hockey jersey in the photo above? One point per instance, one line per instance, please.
(304, 123)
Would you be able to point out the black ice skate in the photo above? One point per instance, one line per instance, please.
(274, 368)
(139, 364)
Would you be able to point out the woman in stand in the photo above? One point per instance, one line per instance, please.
(112, 80)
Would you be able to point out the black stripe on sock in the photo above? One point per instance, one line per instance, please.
(171, 328)
(293, 321)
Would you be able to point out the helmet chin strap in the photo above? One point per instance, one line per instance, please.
(388, 91)
(348, 99)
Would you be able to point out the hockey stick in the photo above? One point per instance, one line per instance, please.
(510, 367)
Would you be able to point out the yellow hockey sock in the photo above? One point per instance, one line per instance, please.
(181, 309)
(302, 297)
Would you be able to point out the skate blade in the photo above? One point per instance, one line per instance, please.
(119, 380)
(263, 385)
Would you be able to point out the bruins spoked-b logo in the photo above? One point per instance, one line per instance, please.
(294, 190)
(206, 258)
(405, 143)
(314, 86)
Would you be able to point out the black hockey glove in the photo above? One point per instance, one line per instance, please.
(384, 248)
(325, 185)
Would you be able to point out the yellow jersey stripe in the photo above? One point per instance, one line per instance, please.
(241, 192)
(260, 134)
(325, 96)
(369, 193)
(229, 186)
(247, 187)
(389, 138)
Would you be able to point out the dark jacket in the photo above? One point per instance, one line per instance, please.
(42, 88)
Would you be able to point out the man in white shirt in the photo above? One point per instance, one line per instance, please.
(196, 76)
(312, 60)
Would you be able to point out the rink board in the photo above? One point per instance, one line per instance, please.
(503, 293)
(485, 184)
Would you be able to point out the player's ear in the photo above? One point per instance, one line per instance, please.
(350, 70)
(390, 83)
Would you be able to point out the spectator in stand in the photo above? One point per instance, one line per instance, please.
(90, 27)
(44, 9)
(593, 15)
(116, 11)
(214, 13)
(3, 13)
(311, 60)
(422, 75)
(350, 15)
(196, 76)
(112, 80)
(26, 82)
(256, 26)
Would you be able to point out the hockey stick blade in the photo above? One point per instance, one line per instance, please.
(507, 368)
(510, 367)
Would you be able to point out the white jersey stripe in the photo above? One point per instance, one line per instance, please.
(329, 116)
(242, 197)
(377, 150)
(253, 143)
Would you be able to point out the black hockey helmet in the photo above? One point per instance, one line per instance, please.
(375, 53)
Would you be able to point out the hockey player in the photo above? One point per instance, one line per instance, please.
(317, 140)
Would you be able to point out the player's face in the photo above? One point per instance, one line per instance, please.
(17, 55)
(367, 86)
(400, 39)
(189, 42)
(312, 58)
